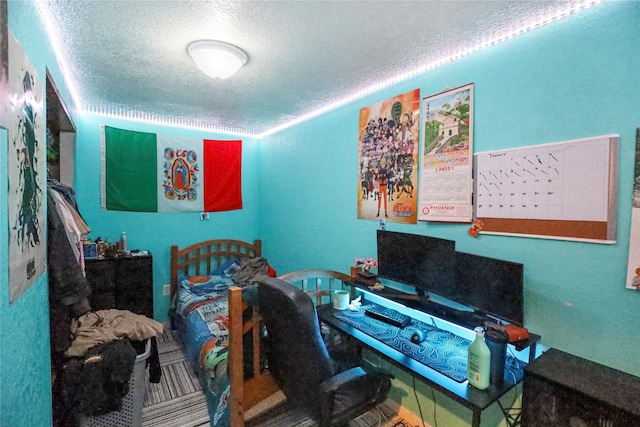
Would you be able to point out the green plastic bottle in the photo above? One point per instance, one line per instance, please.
(479, 362)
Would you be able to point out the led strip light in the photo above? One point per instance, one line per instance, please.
(200, 124)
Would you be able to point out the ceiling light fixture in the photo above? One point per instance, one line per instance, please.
(216, 59)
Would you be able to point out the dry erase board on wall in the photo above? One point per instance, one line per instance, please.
(564, 190)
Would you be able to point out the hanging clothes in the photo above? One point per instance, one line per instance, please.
(75, 227)
(68, 286)
(67, 192)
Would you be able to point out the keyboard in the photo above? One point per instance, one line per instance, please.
(387, 315)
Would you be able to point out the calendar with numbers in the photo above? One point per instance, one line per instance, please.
(447, 147)
(561, 186)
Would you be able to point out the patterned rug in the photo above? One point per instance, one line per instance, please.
(178, 401)
(442, 351)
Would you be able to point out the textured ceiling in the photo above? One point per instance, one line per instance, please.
(129, 58)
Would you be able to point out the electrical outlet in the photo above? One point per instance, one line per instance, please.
(166, 289)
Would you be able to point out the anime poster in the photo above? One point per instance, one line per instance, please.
(446, 174)
(388, 159)
(4, 63)
(633, 266)
(26, 172)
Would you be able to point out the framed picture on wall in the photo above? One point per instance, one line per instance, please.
(446, 176)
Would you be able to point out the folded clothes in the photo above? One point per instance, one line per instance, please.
(103, 326)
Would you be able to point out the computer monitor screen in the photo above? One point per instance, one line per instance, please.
(491, 286)
(421, 261)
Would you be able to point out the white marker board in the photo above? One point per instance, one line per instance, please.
(563, 190)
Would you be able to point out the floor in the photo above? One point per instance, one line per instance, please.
(178, 401)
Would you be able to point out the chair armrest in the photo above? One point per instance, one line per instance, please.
(338, 380)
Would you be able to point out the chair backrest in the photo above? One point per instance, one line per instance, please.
(317, 283)
(296, 353)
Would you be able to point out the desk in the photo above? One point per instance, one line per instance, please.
(465, 394)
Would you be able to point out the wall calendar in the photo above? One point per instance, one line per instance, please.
(565, 190)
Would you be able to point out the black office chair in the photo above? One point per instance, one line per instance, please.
(300, 362)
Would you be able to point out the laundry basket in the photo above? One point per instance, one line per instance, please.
(130, 414)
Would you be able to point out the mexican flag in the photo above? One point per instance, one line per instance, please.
(148, 172)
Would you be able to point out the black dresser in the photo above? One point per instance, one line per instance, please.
(564, 390)
(125, 283)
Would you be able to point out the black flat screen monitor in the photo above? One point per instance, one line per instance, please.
(421, 261)
(491, 286)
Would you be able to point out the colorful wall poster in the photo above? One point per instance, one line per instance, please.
(388, 159)
(633, 266)
(26, 172)
(4, 63)
(447, 174)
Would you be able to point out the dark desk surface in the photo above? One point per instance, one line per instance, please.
(461, 318)
(467, 395)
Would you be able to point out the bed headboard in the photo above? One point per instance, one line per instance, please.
(203, 257)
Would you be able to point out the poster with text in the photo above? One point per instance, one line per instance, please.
(26, 172)
(388, 159)
(4, 63)
(447, 153)
(633, 266)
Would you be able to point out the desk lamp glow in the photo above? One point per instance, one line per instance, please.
(217, 59)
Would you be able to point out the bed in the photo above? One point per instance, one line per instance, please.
(220, 333)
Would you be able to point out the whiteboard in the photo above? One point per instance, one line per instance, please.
(563, 190)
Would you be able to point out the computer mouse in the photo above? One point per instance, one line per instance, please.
(418, 336)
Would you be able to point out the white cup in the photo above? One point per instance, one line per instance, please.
(340, 300)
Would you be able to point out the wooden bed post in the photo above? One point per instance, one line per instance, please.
(173, 274)
(247, 393)
(236, 369)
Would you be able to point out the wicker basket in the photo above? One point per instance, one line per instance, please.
(130, 414)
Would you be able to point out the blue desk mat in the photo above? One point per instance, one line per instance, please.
(442, 351)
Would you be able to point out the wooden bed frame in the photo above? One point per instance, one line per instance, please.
(200, 259)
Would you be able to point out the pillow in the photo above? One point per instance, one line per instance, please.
(228, 268)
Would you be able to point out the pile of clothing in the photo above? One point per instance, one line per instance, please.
(93, 352)
(100, 361)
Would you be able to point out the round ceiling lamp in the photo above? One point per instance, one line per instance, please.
(217, 59)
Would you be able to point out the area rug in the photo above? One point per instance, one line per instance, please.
(178, 401)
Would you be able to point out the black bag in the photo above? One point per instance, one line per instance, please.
(97, 382)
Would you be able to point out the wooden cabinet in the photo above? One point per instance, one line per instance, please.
(564, 390)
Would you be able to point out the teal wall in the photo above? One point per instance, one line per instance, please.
(25, 381)
(25, 385)
(571, 79)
